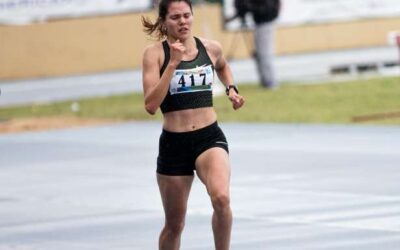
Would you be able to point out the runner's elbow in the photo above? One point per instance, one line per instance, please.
(150, 108)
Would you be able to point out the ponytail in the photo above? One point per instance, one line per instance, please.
(153, 29)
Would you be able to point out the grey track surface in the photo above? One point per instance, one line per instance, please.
(293, 187)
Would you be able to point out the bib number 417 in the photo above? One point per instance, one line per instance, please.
(183, 82)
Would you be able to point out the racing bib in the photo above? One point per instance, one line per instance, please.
(192, 80)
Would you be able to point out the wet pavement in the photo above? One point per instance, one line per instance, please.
(294, 187)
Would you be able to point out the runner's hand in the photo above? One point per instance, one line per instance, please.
(177, 50)
(236, 99)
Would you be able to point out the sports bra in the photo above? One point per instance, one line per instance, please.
(191, 83)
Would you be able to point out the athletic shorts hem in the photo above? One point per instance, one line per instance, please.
(178, 173)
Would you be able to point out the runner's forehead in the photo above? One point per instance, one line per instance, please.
(179, 8)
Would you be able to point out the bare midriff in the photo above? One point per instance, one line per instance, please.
(189, 119)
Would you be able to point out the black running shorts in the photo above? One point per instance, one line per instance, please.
(178, 151)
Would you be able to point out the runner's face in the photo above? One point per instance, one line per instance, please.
(179, 20)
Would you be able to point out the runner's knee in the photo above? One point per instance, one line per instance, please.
(220, 202)
(175, 227)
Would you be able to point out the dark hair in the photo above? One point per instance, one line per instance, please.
(149, 27)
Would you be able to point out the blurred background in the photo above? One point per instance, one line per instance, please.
(58, 38)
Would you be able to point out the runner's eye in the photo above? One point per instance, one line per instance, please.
(175, 17)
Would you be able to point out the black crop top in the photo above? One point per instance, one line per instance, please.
(191, 84)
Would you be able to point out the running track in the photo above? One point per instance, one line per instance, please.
(294, 187)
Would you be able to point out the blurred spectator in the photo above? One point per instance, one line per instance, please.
(264, 13)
